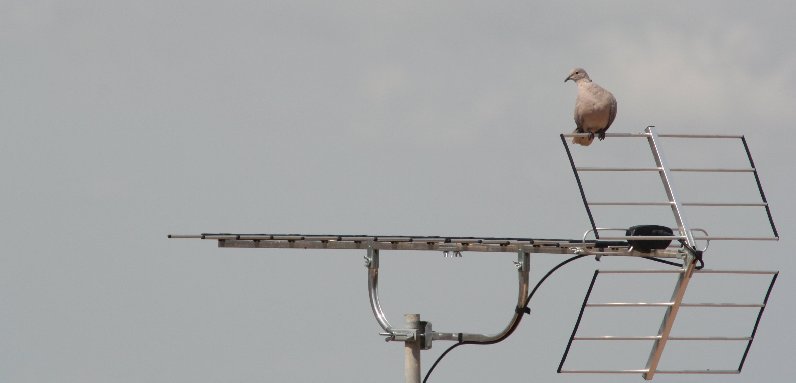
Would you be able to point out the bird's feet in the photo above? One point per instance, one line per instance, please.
(591, 136)
(601, 135)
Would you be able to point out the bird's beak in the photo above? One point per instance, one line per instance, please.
(568, 78)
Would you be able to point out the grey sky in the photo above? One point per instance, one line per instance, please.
(125, 121)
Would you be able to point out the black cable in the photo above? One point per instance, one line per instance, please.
(519, 312)
(439, 359)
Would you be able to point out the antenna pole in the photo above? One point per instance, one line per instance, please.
(412, 350)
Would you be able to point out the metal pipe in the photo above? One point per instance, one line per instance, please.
(654, 337)
(703, 271)
(668, 319)
(412, 351)
(602, 371)
(621, 203)
(721, 305)
(372, 260)
(706, 372)
(690, 264)
(523, 273)
(647, 371)
(739, 204)
(700, 136)
(644, 135)
(617, 135)
(614, 169)
(669, 304)
(695, 170)
(630, 304)
(711, 238)
(711, 271)
(715, 204)
(714, 170)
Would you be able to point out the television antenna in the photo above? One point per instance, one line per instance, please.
(639, 241)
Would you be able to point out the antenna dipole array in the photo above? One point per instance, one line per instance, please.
(685, 232)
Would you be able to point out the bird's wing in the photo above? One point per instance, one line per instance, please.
(611, 113)
(580, 110)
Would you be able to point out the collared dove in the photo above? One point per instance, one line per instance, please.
(595, 108)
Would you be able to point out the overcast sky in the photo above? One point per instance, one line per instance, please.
(124, 121)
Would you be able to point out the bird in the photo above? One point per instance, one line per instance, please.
(595, 108)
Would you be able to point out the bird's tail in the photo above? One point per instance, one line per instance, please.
(585, 141)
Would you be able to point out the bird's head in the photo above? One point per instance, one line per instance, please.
(577, 74)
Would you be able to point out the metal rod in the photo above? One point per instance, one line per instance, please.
(713, 170)
(668, 304)
(614, 169)
(714, 204)
(645, 371)
(613, 337)
(580, 187)
(749, 272)
(564, 248)
(631, 304)
(759, 186)
(644, 135)
(700, 136)
(668, 319)
(717, 338)
(733, 305)
(690, 170)
(617, 135)
(739, 204)
(654, 337)
(757, 321)
(412, 351)
(577, 322)
(523, 276)
(690, 264)
(373, 289)
(620, 203)
(712, 238)
(602, 371)
(703, 271)
(666, 179)
(662, 271)
(705, 372)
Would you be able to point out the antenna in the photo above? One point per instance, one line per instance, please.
(652, 242)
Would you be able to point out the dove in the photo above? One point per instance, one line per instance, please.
(595, 108)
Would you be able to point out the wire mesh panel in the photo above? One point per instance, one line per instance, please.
(718, 332)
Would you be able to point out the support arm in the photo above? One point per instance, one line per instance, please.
(372, 263)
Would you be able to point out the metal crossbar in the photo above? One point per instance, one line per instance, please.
(428, 243)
